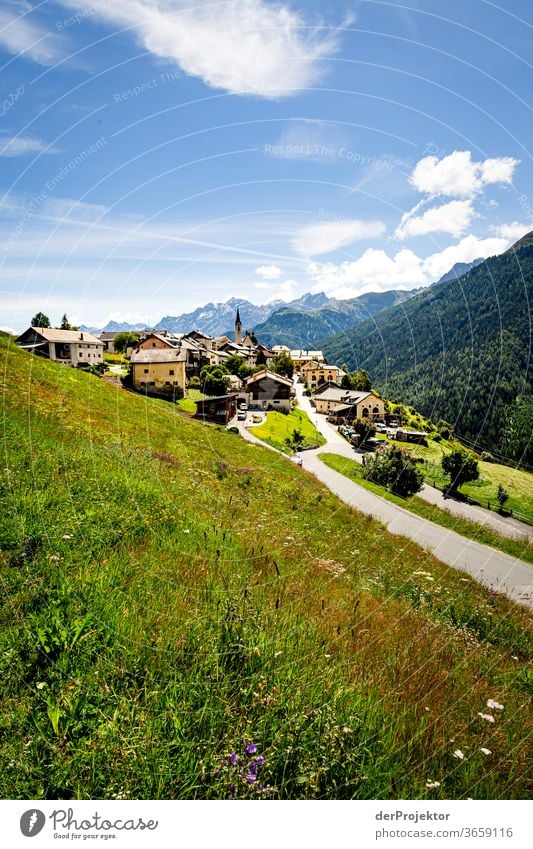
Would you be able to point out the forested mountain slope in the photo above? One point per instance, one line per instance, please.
(460, 350)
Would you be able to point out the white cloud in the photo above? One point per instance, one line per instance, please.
(21, 146)
(513, 231)
(454, 218)
(268, 272)
(373, 271)
(316, 239)
(243, 46)
(466, 250)
(457, 175)
(22, 37)
(376, 271)
(284, 292)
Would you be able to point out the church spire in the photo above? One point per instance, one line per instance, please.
(238, 329)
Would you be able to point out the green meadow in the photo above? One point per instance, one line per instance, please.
(189, 616)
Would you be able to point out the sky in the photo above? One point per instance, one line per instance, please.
(156, 155)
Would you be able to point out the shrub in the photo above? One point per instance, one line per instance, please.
(394, 469)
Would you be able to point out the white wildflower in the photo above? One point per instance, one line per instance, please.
(41, 685)
(494, 705)
(459, 755)
(486, 716)
(432, 784)
(485, 751)
(67, 536)
(186, 531)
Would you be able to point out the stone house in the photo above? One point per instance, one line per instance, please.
(70, 347)
(159, 371)
(268, 391)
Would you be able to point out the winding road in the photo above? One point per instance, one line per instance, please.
(491, 567)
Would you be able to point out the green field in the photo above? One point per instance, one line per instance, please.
(279, 426)
(352, 469)
(188, 404)
(173, 594)
(517, 482)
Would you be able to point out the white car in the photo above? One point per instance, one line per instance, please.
(296, 459)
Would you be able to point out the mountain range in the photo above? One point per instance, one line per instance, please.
(297, 324)
(459, 350)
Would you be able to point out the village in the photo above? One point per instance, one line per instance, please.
(175, 366)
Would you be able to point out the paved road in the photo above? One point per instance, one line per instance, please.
(493, 568)
(337, 445)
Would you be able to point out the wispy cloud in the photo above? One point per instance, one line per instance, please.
(22, 146)
(327, 236)
(246, 47)
(22, 37)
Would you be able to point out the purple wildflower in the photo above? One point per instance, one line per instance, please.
(233, 758)
(251, 749)
(251, 778)
(232, 789)
(260, 760)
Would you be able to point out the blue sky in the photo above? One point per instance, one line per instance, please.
(159, 154)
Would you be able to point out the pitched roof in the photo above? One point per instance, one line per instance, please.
(260, 375)
(52, 334)
(159, 355)
(343, 396)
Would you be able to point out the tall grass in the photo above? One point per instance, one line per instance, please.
(186, 615)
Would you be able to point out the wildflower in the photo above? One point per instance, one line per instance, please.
(186, 531)
(486, 716)
(459, 755)
(67, 536)
(251, 749)
(494, 705)
(431, 785)
(260, 760)
(251, 778)
(232, 789)
(485, 751)
(233, 758)
(41, 685)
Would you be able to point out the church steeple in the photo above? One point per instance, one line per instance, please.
(238, 329)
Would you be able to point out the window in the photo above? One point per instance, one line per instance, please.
(167, 382)
(146, 371)
(80, 354)
(171, 371)
(152, 383)
(143, 383)
(365, 412)
(153, 345)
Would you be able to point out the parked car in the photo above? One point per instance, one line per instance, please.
(242, 405)
(241, 415)
(296, 459)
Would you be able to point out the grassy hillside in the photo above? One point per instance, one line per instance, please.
(302, 328)
(459, 351)
(174, 597)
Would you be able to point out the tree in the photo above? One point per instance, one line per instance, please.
(357, 380)
(283, 364)
(214, 380)
(65, 324)
(394, 469)
(460, 466)
(361, 381)
(364, 428)
(40, 320)
(296, 440)
(125, 340)
(234, 363)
